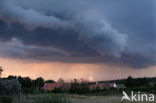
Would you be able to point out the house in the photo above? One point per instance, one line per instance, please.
(67, 86)
(101, 85)
(52, 86)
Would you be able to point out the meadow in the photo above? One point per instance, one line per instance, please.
(70, 98)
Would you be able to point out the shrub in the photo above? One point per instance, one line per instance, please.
(9, 89)
(57, 90)
(139, 82)
(79, 87)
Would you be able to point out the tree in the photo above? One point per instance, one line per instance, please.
(139, 82)
(49, 81)
(142, 82)
(12, 77)
(39, 82)
(20, 79)
(26, 82)
(75, 86)
(79, 87)
(1, 70)
(61, 80)
(84, 87)
(9, 89)
(129, 82)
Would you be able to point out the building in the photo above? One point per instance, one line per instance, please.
(52, 86)
(101, 85)
(67, 86)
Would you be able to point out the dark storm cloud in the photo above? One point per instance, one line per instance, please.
(79, 31)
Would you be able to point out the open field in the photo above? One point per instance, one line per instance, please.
(95, 99)
(70, 98)
(98, 99)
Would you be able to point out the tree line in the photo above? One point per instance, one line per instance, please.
(29, 85)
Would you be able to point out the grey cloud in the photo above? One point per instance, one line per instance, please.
(80, 31)
(16, 49)
(11, 11)
(86, 25)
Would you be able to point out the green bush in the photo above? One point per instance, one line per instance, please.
(9, 89)
(58, 90)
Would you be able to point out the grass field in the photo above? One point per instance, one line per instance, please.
(70, 98)
(99, 99)
(94, 99)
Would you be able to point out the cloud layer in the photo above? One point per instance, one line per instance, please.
(79, 31)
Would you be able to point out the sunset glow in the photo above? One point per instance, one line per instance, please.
(90, 78)
(57, 70)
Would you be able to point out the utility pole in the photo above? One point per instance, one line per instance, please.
(1, 70)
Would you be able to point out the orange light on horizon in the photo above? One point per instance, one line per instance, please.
(69, 71)
(90, 79)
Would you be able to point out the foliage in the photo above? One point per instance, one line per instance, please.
(61, 80)
(58, 90)
(12, 77)
(8, 89)
(139, 82)
(49, 81)
(28, 85)
(79, 87)
(25, 82)
(39, 82)
(154, 85)
(54, 98)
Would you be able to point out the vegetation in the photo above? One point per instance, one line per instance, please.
(28, 85)
(9, 89)
(49, 81)
(139, 82)
(42, 99)
(79, 87)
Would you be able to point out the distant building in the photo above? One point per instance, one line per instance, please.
(67, 86)
(52, 86)
(101, 85)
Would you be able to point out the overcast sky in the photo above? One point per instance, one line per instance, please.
(101, 33)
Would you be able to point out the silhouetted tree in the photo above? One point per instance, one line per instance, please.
(49, 81)
(61, 80)
(26, 82)
(84, 87)
(20, 79)
(1, 70)
(75, 86)
(12, 77)
(139, 82)
(142, 82)
(129, 82)
(39, 82)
